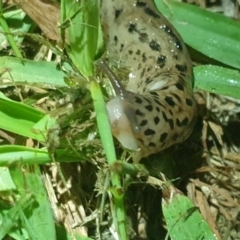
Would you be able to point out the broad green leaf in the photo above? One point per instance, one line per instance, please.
(36, 219)
(184, 220)
(14, 154)
(15, 70)
(6, 182)
(218, 80)
(212, 34)
(19, 118)
(25, 120)
(80, 21)
(9, 217)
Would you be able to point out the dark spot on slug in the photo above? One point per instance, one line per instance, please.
(157, 109)
(181, 80)
(149, 108)
(130, 52)
(115, 39)
(179, 86)
(169, 101)
(121, 47)
(143, 37)
(154, 94)
(164, 117)
(182, 123)
(168, 120)
(179, 44)
(175, 137)
(161, 61)
(154, 46)
(144, 58)
(140, 140)
(117, 13)
(156, 120)
(171, 124)
(139, 113)
(189, 102)
(181, 68)
(147, 100)
(177, 97)
(163, 137)
(138, 52)
(149, 132)
(158, 102)
(164, 88)
(143, 72)
(152, 144)
(138, 100)
(168, 30)
(151, 13)
(143, 122)
(132, 28)
(148, 80)
(141, 4)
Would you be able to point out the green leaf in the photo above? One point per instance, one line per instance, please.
(19, 118)
(103, 122)
(36, 219)
(6, 182)
(212, 34)
(13, 154)
(184, 220)
(22, 71)
(80, 19)
(218, 80)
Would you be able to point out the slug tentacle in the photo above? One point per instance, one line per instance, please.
(116, 84)
(158, 108)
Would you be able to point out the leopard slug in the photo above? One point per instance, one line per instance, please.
(157, 109)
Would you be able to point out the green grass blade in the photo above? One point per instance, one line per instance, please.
(218, 80)
(19, 118)
(103, 122)
(119, 215)
(80, 20)
(12, 154)
(212, 34)
(22, 71)
(8, 34)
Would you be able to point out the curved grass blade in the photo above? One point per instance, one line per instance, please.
(119, 216)
(80, 21)
(218, 80)
(212, 34)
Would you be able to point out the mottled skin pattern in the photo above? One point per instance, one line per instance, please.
(158, 108)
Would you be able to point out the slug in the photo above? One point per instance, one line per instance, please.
(157, 109)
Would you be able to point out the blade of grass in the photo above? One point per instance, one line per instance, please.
(80, 20)
(22, 71)
(11, 155)
(218, 80)
(19, 118)
(8, 34)
(212, 34)
(107, 141)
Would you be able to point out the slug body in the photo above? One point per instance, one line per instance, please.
(157, 109)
